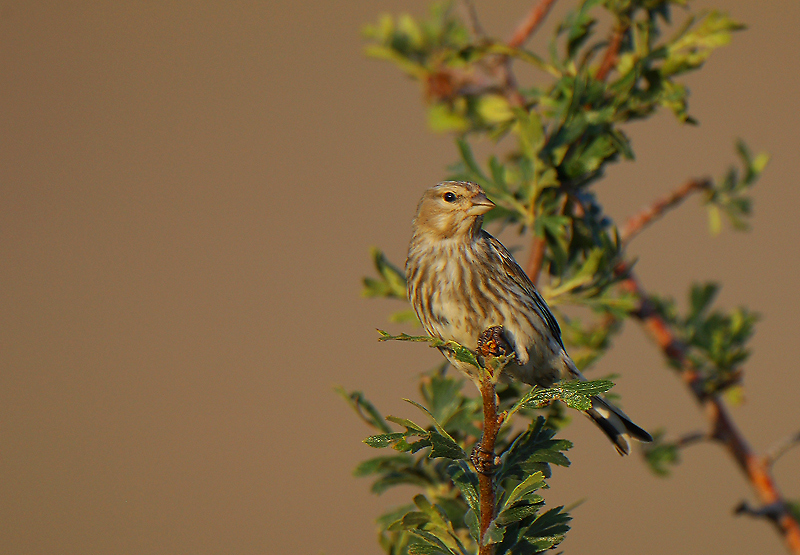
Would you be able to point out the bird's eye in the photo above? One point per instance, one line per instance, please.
(449, 197)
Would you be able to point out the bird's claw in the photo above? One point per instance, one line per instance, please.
(485, 462)
(492, 343)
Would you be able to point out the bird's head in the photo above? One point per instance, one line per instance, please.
(452, 209)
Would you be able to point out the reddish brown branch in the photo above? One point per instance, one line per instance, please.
(612, 52)
(484, 459)
(756, 468)
(536, 258)
(528, 26)
(636, 223)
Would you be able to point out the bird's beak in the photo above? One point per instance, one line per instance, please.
(480, 205)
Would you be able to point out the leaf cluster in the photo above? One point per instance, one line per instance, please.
(661, 454)
(716, 340)
(728, 195)
(444, 519)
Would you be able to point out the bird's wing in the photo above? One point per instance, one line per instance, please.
(518, 275)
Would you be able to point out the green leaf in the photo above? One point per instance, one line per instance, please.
(461, 353)
(575, 394)
(443, 119)
(384, 336)
(661, 455)
(533, 451)
(433, 543)
(364, 409)
(696, 42)
(589, 388)
(408, 424)
(522, 492)
(498, 174)
(382, 464)
(427, 549)
(471, 164)
(445, 446)
(714, 219)
(473, 524)
(701, 297)
(467, 482)
(391, 280)
(510, 515)
(384, 440)
(455, 412)
(551, 523)
(494, 534)
(383, 53)
(494, 108)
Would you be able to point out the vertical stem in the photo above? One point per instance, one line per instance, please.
(536, 258)
(484, 458)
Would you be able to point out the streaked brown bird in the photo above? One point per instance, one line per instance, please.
(462, 281)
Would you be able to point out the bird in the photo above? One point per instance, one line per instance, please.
(462, 281)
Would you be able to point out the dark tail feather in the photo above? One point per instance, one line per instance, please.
(616, 425)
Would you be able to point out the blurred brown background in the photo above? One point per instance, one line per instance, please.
(188, 192)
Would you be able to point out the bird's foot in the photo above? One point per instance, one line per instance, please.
(485, 462)
(492, 343)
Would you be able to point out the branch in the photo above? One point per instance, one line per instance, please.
(755, 468)
(610, 58)
(689, 439)
(491, 343)
(636, 223)
(528, 26)
(536, 258)
(484, 459)
(539, 243)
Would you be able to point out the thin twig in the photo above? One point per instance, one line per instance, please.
(528, 26)
(724, 429)
(777, 450)
(636, 223)
(689, 439)
(472, 18)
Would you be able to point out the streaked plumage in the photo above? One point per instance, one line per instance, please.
(462, 281)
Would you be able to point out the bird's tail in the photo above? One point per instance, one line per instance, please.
(616, 425)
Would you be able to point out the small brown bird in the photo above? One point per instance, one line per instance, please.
(462, 281)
